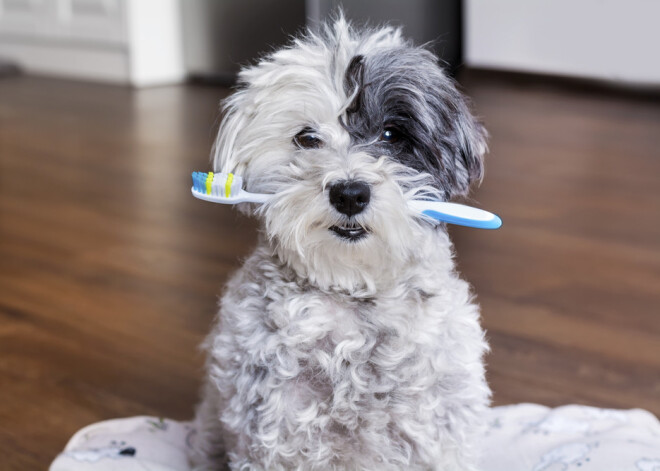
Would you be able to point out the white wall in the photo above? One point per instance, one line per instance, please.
(135, 42)
(616, 40)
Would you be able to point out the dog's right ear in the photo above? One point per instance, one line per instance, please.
(225, 156)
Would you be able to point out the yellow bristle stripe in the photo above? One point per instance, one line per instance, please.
(209, 182)
(230, 180)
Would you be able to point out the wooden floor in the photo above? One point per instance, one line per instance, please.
(109, 269)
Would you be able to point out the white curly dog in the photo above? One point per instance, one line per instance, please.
(346, 341)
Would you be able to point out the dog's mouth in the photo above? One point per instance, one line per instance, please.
(352, 232)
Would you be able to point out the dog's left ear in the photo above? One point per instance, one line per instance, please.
(455, 147)
(460, 140)
(469, 147)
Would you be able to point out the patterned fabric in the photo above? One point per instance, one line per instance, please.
(522, 437)
(132, 444)
(531, 437)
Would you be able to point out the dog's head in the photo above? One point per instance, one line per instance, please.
(345, 127)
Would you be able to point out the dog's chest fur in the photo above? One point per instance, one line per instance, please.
(324, 372)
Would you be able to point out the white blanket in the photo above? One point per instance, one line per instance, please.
(520, 437)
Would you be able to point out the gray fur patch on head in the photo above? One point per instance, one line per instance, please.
(404, 106)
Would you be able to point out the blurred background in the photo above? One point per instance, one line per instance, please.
(110, 270)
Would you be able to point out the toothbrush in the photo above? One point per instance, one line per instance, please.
(227, 188)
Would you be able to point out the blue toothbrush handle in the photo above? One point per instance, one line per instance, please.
(459, 214)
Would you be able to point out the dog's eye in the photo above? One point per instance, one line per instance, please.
(390, 135)
(307, 139)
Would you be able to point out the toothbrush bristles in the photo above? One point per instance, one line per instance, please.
(217, 184)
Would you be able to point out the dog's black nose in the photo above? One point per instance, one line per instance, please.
(350, 197)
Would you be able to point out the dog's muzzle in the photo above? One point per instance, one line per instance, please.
(350, 197)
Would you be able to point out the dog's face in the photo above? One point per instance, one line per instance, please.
(345, 128)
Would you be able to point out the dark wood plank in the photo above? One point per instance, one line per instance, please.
(570, 285)
(110, 271)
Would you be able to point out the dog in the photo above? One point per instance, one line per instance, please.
(346, 341)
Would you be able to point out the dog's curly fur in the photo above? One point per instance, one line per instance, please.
(337, 353)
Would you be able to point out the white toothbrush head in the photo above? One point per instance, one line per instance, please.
(225, 188)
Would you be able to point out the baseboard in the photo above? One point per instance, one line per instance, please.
(578, 84)
(103, 64)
